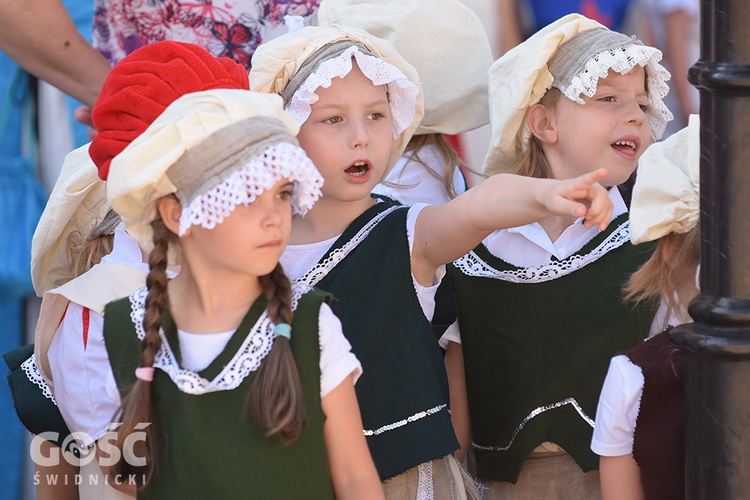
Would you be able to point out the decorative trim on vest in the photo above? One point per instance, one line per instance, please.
(534, 413)
(35, 377)
(472, 265)
(254, 348)
(417, 416)
(321, 269)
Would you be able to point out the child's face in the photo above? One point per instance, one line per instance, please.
(250, 240)
(348, 136)
(609, 130)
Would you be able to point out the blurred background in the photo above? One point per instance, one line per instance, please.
(38, 130)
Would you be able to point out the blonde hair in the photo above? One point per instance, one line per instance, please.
(532, 162)
(92, 253)
(673, 280)
(451, 159)
(275, 396)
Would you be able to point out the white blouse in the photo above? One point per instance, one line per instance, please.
(415, 184)
(619, 403)
(298, 259)
(530, 245)
(84, 385)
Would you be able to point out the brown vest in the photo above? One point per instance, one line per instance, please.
(659, 441)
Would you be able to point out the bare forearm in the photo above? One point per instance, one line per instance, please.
(42, 38)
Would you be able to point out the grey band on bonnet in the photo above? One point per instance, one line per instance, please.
(311, 64)
(106, 226)
(227, 150)
(572, 56)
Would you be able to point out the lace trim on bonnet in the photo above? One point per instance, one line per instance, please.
(246, 183)
(623, 59)
(402, 93)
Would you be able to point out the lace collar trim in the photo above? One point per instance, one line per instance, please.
(254, 348)
(473, 265)
(322, 268)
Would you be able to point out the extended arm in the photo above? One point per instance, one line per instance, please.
(443, 233)
(42, 38)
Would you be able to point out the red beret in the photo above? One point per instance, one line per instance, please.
(141, 86)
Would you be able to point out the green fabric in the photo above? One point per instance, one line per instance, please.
(531, 345)
(37, 413)
(403, 367)
(209, 448)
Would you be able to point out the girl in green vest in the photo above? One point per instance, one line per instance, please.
(234, 382)
(74, 234)
(358, 103)
(540, 305)
(640, 423)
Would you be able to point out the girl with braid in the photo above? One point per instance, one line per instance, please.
(233, 382)
(82, 258)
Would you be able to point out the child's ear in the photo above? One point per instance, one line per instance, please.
(170, 210)
(542, 124)
(668, 249)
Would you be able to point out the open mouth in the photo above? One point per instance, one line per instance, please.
(358, 169)
(625, 146)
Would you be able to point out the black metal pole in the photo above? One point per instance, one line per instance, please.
(717, 344)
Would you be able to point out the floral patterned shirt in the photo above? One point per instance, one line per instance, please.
(231, 28)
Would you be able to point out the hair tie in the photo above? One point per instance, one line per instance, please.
(283, 330)
(145, 373)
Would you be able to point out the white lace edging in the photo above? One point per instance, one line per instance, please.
(622, 60)
(320, 270)
(34, 375)
(472, 265)
(402, 93)
(425, 490)
(282, 160)
(254, 348)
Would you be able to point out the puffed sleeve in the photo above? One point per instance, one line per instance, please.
(619, 403)
(337, 360)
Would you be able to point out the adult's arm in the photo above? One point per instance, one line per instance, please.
(42, 38)
(678, 24)
(510, 24)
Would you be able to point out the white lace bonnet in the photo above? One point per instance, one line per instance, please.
(521, 77)
(666, 195)
(214, 150)
(441, 39)
(276, 63)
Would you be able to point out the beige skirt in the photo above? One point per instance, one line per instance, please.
(551, 476)
(441, 479)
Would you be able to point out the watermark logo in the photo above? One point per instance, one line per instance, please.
(75, 452)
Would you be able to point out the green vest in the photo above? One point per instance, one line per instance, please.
(403, 390)
(536, 353)
(208, 447)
